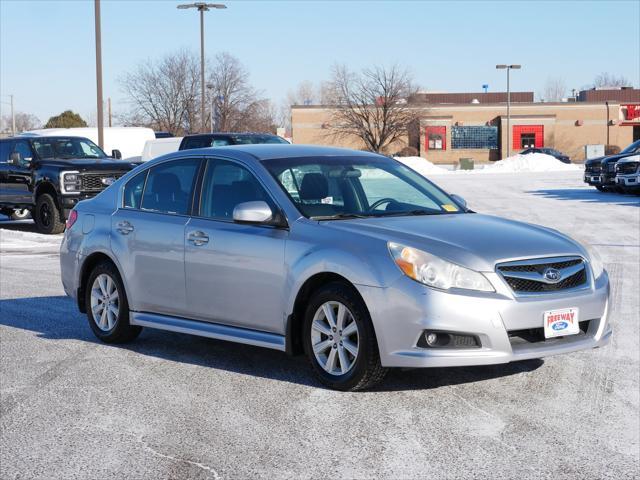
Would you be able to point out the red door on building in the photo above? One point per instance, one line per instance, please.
(528, 136)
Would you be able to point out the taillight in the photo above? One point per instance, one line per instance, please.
(73, 216)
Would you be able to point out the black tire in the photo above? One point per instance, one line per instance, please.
(122, 331)
(601, 188)
(20, 214)
(367, 371)
(47, 216)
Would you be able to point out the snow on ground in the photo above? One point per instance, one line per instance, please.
(422, 165)
(533, 162)
(166, 405)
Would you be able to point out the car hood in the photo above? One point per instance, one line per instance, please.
(85, 164)
(472, 240)
(608, 159)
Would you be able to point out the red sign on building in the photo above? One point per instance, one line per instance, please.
(528, 136)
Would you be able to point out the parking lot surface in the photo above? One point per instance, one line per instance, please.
(175, 406)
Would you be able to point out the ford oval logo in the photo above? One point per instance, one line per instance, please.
(559, 326)
(552, 275)
(108, 181)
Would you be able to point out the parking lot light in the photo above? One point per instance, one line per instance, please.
(202, 7)
(507, 68)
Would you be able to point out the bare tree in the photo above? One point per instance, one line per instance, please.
(372, 105)
(238, 105)
(164, 94)
(24, 122)
(606, 79)
(554, 90)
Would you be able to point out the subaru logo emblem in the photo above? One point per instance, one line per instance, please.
(108, 181)
(552, 275)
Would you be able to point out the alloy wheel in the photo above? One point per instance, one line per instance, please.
(105, 302)
(335, 338)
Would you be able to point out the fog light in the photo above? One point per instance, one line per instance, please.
(432, 338)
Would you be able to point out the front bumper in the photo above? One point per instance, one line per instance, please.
(592, 178)
(632, 180)
(401, 314)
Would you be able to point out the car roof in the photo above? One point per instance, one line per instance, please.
(268, 151)
(227, 134)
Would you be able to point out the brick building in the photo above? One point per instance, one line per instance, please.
(474, 125)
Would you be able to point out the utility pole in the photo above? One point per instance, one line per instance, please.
(202, 7)
(508, 68)
(99, 74)
(109, 109)
(13, 118)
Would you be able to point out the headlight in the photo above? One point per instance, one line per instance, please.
(596, 262)
(436, 272)
(70, 182)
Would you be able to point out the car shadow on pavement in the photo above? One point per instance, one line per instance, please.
(57, 318)
(589, 196)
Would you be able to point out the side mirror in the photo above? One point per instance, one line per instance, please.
(459, 200)
(117, 154)
(257, 212)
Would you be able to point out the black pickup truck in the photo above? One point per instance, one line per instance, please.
(48, 176)
(601, 172)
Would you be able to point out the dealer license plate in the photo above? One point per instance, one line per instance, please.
(558, 323)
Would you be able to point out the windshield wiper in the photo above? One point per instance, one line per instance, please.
(339, 216)
(408, 212)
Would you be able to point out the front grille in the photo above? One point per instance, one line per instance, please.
(535, 335)
(593, 168)
(611, 167)
(92, 182)
(627, 168)
(529, 276)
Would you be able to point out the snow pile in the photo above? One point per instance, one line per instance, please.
(15, 240)
(421, 165)
(532, 162)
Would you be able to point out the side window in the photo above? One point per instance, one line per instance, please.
(220, 142)
(24, 150)
(133, 190)
(6, 148)
(196, 142)
(170, 186)
(225, 185)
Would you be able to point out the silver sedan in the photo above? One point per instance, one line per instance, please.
(348, 257)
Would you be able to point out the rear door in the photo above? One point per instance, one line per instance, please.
(234, 272)
(147, 235)
(6, 147)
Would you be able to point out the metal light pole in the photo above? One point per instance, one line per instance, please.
(210, 88)
(508, 68)
(99, 75)
(13, 118)
(202, 7)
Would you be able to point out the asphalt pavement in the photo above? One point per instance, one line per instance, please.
(175, 406)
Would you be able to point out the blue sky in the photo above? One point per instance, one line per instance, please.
(47, 57)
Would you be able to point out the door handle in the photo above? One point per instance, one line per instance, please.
(125, 228)
(198, 238)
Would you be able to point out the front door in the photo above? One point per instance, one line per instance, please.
(234, 272)
(147, 236)
(17, 175)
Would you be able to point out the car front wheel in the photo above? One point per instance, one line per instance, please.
(340, 341)
(107, 306)
(47, 216)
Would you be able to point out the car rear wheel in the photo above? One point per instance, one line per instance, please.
(339, 340)
(107, 306)
(47, 216)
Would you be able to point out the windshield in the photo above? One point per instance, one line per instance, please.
(326, 188)
(67, 148)
(253, 139)
(633, 148)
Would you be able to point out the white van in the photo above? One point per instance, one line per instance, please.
(159, 146)
(129, 140)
